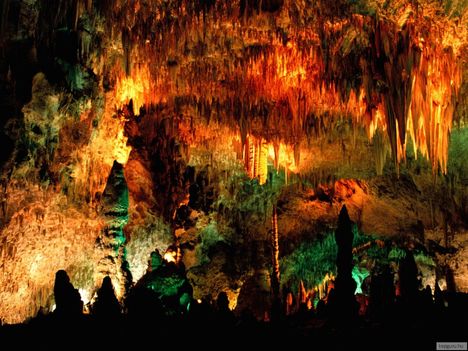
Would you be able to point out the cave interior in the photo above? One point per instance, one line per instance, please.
(273, 167)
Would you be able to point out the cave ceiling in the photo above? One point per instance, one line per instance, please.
(306, 66)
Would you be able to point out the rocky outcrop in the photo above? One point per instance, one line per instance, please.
(168, 283)
(343, 303)
(68, 304)
(106, 306)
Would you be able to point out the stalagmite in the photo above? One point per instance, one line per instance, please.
(344, 305)
(111, 241)
(275, 244)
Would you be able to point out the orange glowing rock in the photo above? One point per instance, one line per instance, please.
(299, 79)
(137, 87)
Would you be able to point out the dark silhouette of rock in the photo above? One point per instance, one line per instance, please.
(106, 306)
(255, 295)
(224, 314)
(143, 305)
(382, 294)
(222, 302)
(321, 309)
(451, 287)
(68, 302)
(201, 312)
(276, 310)
(438, 297)
(408, 274)
(344, 239)
(425, 303)
(344, 305)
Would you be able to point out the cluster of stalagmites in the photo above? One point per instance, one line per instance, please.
(162, 302)
(164, 290)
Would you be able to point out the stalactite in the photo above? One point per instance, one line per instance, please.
(297, 155)
(263, 162)
(276, 147)
(250, 158)
(297, 82)
(380, 151)
(256, 162)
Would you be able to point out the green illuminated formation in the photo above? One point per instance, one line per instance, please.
(115, 204)
(359, 275)
(111, 241)
(169, 284)
(312, 261)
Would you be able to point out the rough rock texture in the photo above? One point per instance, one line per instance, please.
(459, 264)
(111, 241)
(450, 252)
(44, 236)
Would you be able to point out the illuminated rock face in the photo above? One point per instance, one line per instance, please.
(111, 241)
(140, 124)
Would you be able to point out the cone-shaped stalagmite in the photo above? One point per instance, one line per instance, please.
(111, 242)
(106, 306)
(67, 299)
(408, 274)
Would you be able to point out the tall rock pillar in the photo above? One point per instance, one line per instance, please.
(345, 306)
(111, 242)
